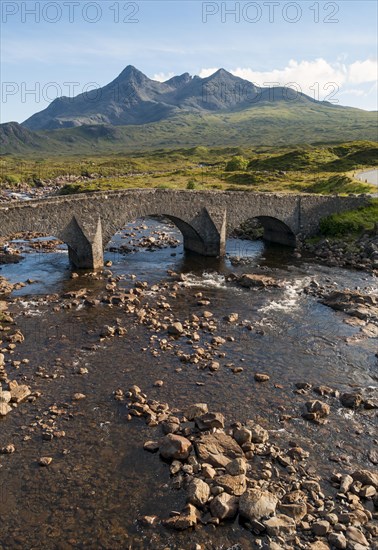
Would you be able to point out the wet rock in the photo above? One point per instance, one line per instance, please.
(231, 317)
(217, 449)
(151, 446)
(316, 411)
(8, 449)
(210, 420)
(280, 525)
(351, 400)
(250, 280)
(45, 460)
(261, 377)
(198, 492)
(224, 506)
(176, 329)
(187, 519)
(257, 504)
(196, 410)
(175, 447)
(366, 477)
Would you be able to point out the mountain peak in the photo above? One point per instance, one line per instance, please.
(132, 73)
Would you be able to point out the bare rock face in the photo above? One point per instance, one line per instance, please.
(198, 492)
(175, 447)
(224, 506)
(217, 449)
(257, 504)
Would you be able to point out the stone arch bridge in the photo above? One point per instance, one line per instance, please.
(86, 222)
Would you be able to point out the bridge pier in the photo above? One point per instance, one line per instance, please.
(85, 246)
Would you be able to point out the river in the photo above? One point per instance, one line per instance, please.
(101, 480)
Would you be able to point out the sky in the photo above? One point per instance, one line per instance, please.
(49, 48)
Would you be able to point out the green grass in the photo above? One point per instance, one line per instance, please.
(288, 169)
(351, 223)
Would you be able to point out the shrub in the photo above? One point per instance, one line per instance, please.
(236, 163)
(192, 184)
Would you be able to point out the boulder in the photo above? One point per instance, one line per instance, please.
(224, 506)
(217, 449)
(195, 410)
(198, 492)
(280, 525)
(174, 446)
(210, 420)
(234, 485)
(257, 504)
(366, 477)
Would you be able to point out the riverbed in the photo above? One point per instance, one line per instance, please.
(101, 480)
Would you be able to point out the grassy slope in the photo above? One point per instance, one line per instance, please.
(351, 223)
(320, 169)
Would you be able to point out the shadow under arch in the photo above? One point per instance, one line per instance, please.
(192, 240)
(275, 230)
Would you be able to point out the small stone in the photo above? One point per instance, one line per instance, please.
(234, 485)
(158, 383)
(236, 467)
(261, 377)
(176, 329)
(8, 449)
(78, 396)
(351, 400)
(151, 446)
(45, 460)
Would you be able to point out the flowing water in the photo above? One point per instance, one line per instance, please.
(101, 480)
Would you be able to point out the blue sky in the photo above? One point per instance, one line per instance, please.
(50, 48)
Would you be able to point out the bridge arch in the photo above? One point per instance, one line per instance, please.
(275, 230)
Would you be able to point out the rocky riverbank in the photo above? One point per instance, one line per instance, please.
(360, 254)
(239, 471)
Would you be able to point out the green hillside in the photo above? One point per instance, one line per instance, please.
(269, 125)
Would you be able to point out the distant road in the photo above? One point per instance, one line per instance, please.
(368, 176)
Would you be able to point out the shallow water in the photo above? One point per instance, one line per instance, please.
(101, 480)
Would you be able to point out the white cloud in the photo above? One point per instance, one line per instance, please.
(363, 71)
(162, 77)
(317, 78)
